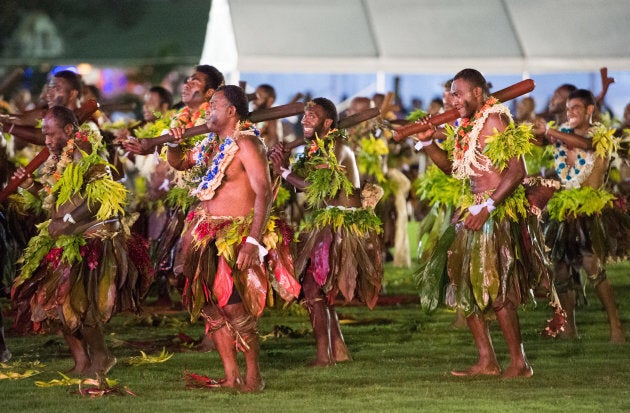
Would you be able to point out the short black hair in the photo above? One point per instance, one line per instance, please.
(586, 96)
(73, 79)
(568, 87)
(474, 78)
(164, 95)
(64, 116)
(237, 97)
(214, 78)
(330, 110)
(269, 90)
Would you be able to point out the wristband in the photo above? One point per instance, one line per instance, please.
(68, 218)
(262, 251)
(422, 144)
(285, 172)
(489, 205)
(172, 144)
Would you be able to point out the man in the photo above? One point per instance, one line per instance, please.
(77, 269)
(584, 208)
(479, 281)
(271, 130)
(556, 110)
(230, 177)
(333, 259)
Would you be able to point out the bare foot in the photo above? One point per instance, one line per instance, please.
(617, 335)
(254, 386)
(80, 368)
(490, 369)
(101, 366)
(341, 352)
(320, 363)
(511, 372)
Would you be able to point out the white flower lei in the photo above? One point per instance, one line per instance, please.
(472, 159)
(572, 176)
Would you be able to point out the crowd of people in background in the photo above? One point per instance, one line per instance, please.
(124, 206)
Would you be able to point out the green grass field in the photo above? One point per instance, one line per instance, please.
(402, 359)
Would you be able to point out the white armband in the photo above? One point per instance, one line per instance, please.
(489, 205)
(285, 172)
(262, 251)
(68, 218)
(422, 144)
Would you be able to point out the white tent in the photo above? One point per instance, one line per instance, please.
(417, 36)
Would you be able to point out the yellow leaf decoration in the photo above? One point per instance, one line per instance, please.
(146, 359)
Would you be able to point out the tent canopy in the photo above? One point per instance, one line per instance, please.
(421, 36)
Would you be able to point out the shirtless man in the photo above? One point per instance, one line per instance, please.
(324, 278)
(271, 130)
(490, 186)
(241, 185)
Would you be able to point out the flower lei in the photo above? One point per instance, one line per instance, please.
(207, 174)
(185, 119)
(572, 176)
(466, 156)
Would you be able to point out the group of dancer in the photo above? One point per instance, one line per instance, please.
(201, 213)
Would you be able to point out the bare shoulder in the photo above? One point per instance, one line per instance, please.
(495, 121)
(250, 143)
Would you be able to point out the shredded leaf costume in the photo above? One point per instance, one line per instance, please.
(340, 246)
(499, 263)
(582, 217)
(82, 278)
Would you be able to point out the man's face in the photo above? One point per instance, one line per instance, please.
(263, 100)
(59, 92)
(578, 114)
(217, 117)
(151, 105)
(558, 101)
(465, 98)
(193, 91)
(315, 122)
(54, 134)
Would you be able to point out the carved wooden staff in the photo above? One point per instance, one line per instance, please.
(503, 95)
(261, 115)
(83, 114)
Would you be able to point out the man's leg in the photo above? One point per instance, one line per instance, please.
(606, 295)
(568, 299)
(320, 320)
(508, 321)
(5, 354)
(79, 352)
(223, 339)
(603, 288)
(246, 332)
(487, 364)
(102, 359)
(339, 349)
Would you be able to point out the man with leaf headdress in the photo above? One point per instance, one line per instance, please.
(78, 269)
